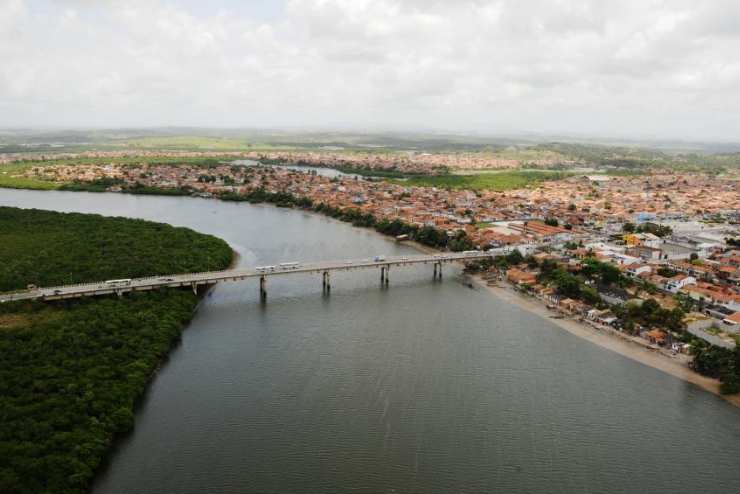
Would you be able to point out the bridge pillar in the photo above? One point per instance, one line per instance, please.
(195, 288)
(326, 282)
(384, 278)
(438, 270)
(263, 288)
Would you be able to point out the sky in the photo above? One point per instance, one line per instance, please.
(667, 69)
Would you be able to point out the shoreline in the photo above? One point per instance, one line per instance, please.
(624, 347)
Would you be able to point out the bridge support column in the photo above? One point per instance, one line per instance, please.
(326, 282)
(384, 278)
(195, 288)
(263, 288)
(438, 270)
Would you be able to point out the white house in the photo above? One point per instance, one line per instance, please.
(679, 281)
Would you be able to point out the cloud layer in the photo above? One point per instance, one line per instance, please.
(639, 68)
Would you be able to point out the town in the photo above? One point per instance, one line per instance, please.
(667, 239)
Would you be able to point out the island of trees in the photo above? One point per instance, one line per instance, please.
(71, 371)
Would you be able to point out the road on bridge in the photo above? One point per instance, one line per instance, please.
(263, 272)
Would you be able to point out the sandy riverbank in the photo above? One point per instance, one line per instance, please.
(671, 365)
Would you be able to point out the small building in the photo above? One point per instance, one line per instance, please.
(656, 336)
(520, 277)
(675, 283)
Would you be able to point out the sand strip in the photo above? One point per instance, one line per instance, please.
(675, 366)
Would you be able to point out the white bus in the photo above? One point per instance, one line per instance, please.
(123, 281)
(289, 265)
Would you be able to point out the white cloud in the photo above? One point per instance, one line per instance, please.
(630, 68)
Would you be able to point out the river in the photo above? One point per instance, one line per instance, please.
(422, 387)
(318, 170)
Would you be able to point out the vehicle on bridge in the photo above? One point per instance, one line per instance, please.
(123, 281)
(379, 258)
(289, 265)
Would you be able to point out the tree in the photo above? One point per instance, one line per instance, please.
(514, 257)
(551, 221)
(460, 242)
(628, 227)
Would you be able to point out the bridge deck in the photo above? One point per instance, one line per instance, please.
(210, 277)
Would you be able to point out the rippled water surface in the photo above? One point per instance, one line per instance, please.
(424, 387)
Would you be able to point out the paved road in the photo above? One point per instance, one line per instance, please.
(210, 277)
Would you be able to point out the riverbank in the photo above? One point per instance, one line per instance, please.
(675, 366)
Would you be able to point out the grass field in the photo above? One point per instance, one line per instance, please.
(10, 179)
(484, 181)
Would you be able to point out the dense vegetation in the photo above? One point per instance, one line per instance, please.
(46, 248)
(70, 372)
(717, 362)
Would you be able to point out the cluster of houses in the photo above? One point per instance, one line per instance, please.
(713, 283)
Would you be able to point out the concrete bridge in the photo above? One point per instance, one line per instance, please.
(193, 280)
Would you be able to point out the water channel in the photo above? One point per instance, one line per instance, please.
(422, 387)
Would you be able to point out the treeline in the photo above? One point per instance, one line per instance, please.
(719, 363)
(102, 185)
(426, 235)
(71, 372)
(260, 195)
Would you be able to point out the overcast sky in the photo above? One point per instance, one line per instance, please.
(627, 68)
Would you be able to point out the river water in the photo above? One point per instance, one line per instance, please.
(318, 170)
(424, 387)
